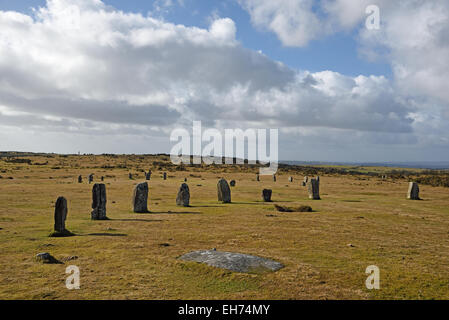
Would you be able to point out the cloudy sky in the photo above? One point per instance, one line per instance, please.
(118, 76)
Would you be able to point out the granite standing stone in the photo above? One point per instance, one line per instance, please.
(313, 187)
(183, 198)
(140, 198)
(91, 178)
(99, 202)
(60, 214)
(165, 175)
(232, 183)
(257, 177)
(148, 176)
(266, 195)
(80, 179)
(413, 191)
(290, 179)
(274, 177)
(224, 192)
(304, 182)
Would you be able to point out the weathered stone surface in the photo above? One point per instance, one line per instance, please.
(140, 198)
(60, 214)
(224, 192)
(266, 195)
(290, 179)
(99, 202)
(183, 198)
(413, 191)
(236, 262)
(80, 179)
(232, 183)
(313, 187)
(165, 175)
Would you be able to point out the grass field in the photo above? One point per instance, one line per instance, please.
(134, 256)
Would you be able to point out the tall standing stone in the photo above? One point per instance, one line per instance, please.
(140, 198)
(223, 190)
(80, 179)
(313, 187)
(266, 195)
(99, 202)
(413, 191)
(60, 214)
(183, 198)
(165, 175)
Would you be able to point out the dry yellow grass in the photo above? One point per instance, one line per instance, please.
(124, 258)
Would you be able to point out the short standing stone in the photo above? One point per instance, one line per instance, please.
(140, 198)
(183, 198)
(266, 195)
(290, 179)
(60, 214)
(130, 176)
(304, 182)
(91, 178)
(413, 191)
(80, 179)
(185, 179)
(313, 187)
(148, 176)
(99, 202)
(257, 177)
(224, 192)
(274, 177)
(165, 175)
(232, 183)
(102, 178)
(318, 179)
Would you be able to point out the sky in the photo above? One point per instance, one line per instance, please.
(115, 76)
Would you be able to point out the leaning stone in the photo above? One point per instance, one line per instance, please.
(266, 195)
(47, 258)
(99, 202)
(183, 198)
(313, 187)
(140, 198)
(413, 191)
(224, 192)
(236, 262)
(232, 183)
(60, 217)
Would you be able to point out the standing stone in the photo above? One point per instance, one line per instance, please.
(304, 182)
(224, 192)
(413, 191)
(80, 179)
(313, 187)
(257, 177)
(290, 179)
(266, 195)
(165, 175)
(183, 198)
(274, 177)
(60, 214)
(148, 176)
(130, 176)
(185, 179)
(140, 198)
(318, 179)
(232, 183)
(91, 178)
(99, 202)
(102, 178)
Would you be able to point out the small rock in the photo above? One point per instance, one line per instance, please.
(47, 258)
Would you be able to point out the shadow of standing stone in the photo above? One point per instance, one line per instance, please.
(223, 190)
(140, 198)
(236, 262)
(99, 202)
(60, 217)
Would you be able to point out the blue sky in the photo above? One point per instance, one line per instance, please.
(89, 76)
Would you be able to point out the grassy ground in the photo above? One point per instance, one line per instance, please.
(133, 256)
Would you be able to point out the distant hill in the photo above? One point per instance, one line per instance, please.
(437, 165)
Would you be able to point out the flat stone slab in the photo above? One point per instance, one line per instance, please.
(232, 261)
